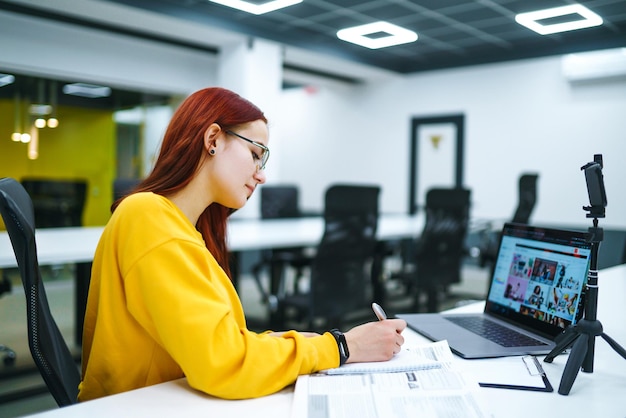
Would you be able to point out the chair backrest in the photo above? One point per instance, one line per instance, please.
(441, 245)
(527, 191)
(340, 278)
(57, 203)
(121, 187)
(279, 201)
(47, 346)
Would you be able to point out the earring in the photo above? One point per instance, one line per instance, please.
(212, 151)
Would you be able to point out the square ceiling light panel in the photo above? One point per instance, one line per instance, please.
(257, 8)
(6, 79)
(90, 91)
(377, 35)
(581, 16)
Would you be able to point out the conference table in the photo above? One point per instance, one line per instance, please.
(78, 244)
(597, 394)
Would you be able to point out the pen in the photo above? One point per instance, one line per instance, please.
(380, 313)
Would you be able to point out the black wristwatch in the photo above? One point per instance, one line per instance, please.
(342, 345)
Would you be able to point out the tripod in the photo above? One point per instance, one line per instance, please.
(582, 335)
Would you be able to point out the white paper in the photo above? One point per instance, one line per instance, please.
(428, 356)
(505, 371)
(424, 393)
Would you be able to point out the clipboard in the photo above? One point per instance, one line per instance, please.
(533, 368)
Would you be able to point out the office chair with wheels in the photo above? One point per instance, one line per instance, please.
(439, 250)
(527, 199)
(7, 353)
(278, 202)
(47, 346)
(340, 279)
(56, 203)
(121, 187)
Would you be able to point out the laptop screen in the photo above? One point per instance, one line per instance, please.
(539, 277)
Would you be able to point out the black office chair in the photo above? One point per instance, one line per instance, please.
(57, 203)
(121, 187)
(527, 199)
(278, 201)
(47, 346)
(439, 251)
(340, 275)
(7, 353)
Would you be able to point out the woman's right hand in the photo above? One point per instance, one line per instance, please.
(375, 341)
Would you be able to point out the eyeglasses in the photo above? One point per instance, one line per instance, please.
(260, 161)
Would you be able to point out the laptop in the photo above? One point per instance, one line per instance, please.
(536, 291)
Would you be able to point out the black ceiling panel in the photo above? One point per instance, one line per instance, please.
(452, 33)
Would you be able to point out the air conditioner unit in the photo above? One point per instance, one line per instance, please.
(595, 65)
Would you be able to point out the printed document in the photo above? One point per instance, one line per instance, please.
(425, 392)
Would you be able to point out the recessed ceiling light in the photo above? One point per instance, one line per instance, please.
(39, 109)
(6, 79)
(531, 19)
(91, 91)
(257, 8)
(377, 35)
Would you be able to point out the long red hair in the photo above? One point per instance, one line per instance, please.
(182, 149)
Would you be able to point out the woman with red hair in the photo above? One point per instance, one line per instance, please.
(161, 305)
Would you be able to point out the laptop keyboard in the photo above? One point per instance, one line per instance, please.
(495, 332)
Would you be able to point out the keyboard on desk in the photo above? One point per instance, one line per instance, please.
(493, 331)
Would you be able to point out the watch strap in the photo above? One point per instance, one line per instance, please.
(342, 345)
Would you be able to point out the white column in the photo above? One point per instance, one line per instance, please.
(253, 69)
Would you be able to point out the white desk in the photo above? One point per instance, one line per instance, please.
(56, 245)
(254, 234)
(78, 244)
(597, 394)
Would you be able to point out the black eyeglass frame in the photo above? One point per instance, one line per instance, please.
(266, 151)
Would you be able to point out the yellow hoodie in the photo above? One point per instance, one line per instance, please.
(160, 308)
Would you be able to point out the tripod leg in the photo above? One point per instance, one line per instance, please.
(575, 360)
(587, 365)
(563, 342)
(618, 348)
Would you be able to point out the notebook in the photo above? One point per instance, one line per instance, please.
(536, 291)
(422, 357)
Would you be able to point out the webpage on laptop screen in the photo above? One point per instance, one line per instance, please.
(541, 280)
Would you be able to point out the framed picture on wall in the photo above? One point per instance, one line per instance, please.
(436, 155)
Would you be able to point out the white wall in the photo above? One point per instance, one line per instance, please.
(520, 116)
(40, 47)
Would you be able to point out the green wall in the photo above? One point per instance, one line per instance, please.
(81, 147)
